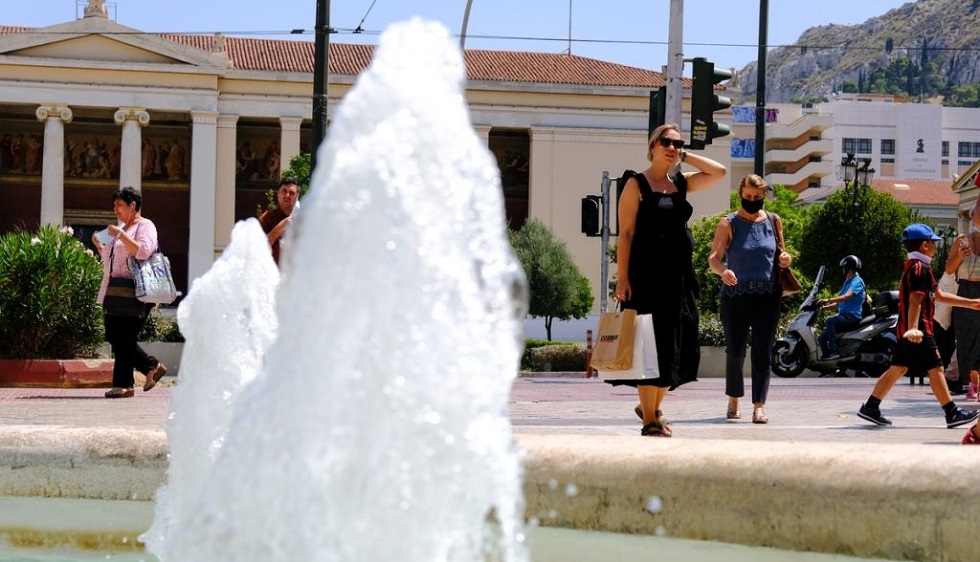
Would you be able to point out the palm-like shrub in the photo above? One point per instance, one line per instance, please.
(48, 287)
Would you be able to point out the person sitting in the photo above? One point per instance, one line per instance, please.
(849, 302)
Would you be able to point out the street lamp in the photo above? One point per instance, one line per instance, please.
(855, 176)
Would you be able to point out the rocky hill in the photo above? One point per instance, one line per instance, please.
(935, 44)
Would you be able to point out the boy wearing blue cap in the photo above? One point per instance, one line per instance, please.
(917, 348)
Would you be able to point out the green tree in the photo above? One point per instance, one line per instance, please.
(556, 287)
(300, 169)
(873, 219)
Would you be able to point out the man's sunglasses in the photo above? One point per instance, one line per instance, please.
(665, 142)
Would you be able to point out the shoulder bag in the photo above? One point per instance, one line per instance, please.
(783, 275)
(154, 283)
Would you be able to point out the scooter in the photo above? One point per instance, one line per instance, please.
(866, 348)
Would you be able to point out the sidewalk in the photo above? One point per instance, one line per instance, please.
(802, 409)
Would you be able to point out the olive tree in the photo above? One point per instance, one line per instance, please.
(556, 287)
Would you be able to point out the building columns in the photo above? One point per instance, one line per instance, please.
(54, 118)
(224, 212)
(204, 141)
(289, 141)
(130, 158)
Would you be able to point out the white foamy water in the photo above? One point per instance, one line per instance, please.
(377, 428)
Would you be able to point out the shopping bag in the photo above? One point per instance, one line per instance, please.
(614, 346)
(645, 362)
(944, 312)
(154, 283)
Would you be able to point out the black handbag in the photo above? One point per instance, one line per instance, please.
(120, 299)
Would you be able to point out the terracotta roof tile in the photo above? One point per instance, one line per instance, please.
(281, 55)
(918, 192)
(907, 192)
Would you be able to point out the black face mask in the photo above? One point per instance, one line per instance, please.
(752, 207)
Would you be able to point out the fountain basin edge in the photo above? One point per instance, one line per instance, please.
(903, 502)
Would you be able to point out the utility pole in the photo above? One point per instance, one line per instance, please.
(760, 93)
(321, 56)
(675, 63)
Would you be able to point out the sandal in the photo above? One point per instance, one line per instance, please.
(733, 413)
(758, 416)
(653, 429)
(664, 423)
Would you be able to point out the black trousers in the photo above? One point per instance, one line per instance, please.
(739, 314)
(121, 333)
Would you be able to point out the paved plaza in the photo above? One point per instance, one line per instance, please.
(802, 409)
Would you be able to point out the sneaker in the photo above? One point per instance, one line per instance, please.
(970, 438)
(971, 391)
(873, 415)
(961, 417)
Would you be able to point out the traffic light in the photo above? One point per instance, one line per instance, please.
(590, 215)
(658, 109)
(705, 102)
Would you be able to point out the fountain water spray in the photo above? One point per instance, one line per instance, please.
(377, 428)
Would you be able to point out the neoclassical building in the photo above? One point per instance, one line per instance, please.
(203, 125)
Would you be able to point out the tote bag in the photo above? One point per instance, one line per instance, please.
(645, 362)
(614, 347)
(153, 279)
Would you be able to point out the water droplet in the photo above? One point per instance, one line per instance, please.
(571, 490)
(654, 504)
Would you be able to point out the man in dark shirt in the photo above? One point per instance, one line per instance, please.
(275, 221)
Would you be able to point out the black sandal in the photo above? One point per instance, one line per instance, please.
(664, 423)
(653, 429)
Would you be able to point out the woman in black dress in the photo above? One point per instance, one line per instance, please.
(656, 274)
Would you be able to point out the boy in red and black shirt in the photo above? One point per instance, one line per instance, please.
(916, 345)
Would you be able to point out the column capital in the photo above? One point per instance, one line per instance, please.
(227, 121)
(54, 111)
(137, 114)
(291, 123)
(204, 117)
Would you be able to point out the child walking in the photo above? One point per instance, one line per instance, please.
(917, 348)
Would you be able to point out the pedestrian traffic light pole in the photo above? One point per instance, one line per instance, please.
(674, 91)
(321, 50)
(760, 93)
(594, 207)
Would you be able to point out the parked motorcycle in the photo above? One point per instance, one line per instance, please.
(866, 348)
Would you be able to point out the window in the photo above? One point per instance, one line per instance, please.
(945, 149)
(888, 146)
(857, 146)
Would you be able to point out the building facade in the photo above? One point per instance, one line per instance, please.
(203, 125)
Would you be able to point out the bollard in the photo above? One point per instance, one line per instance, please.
(589, 373)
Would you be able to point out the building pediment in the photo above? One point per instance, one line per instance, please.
(100, 41)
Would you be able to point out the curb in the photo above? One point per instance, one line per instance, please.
(56, 373)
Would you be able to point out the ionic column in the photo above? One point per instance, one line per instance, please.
(204, 146)
(131, 119)
(224, 210)
(54, 118)
(289, 141)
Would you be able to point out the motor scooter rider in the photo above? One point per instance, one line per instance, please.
(849, 302)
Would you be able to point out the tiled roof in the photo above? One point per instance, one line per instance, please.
(907, 192)
(918, 192)
(279, 55)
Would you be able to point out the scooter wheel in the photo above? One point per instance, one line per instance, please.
(788, 361)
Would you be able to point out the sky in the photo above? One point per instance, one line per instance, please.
(629, 32)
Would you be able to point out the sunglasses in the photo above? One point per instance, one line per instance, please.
(676, 143)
